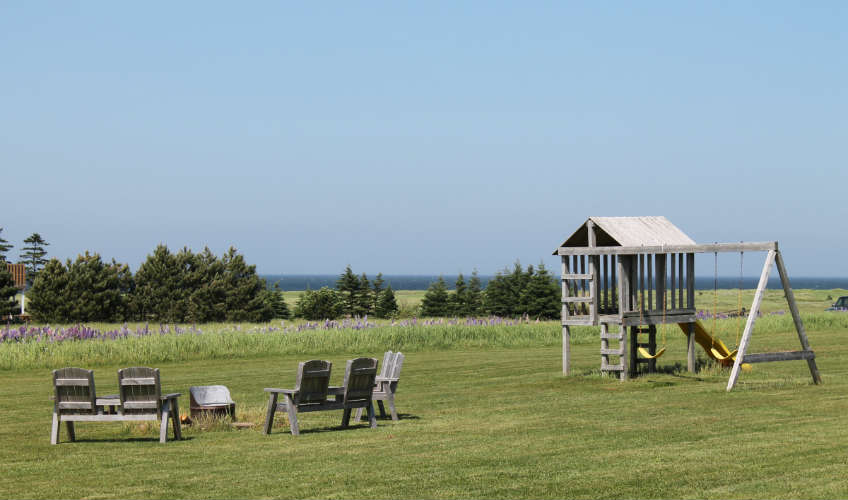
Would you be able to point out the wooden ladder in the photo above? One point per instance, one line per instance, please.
(620, 351)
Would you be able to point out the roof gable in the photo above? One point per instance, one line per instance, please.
(629, 232)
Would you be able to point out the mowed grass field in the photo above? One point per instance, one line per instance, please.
(479, 421)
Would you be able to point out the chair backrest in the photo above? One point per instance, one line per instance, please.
(359, 379)
(140, 390)
(74, 391)
(392, 363)
(210, 395)
(313, 378)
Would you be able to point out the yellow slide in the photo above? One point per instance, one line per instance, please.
(703, 337)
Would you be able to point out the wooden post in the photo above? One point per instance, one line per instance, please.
(690, 349)
(594, 284)
(634, 344)
(752, 317)
(796, 316)
(566, 332)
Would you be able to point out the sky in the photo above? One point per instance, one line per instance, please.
(422, 138)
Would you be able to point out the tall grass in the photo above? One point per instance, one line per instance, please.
(229, 341)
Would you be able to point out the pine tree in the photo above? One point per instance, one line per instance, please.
(33, 256)
(475, 295)
(459, 298)
(541, 297)
(4, 247)
(278, 302)
(348, 288)
(48, 300)
(498, 299)
(245, 290)
(316, 305)
(365, 298)
(158, 295)
(435, 301)
(386, 306)
(8, 291)
(377, 288)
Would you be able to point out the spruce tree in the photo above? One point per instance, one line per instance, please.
(348, 288)
(48, 300)
(316, 305)
(158, 295)
(459, 297)
(377, 288)
(33, 256)
(4, 247)
(386, 306)
(435, 301)
(475, 295)
(245, 290)
(541, 298)
(365, 298)
(498, 298)
(8, 291)
(278, 302)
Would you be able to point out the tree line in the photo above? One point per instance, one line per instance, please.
(188, 287)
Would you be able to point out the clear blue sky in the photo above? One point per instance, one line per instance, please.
(421, 138)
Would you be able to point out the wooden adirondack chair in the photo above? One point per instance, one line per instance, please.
(386, 384)
(140, 398)
(312, 389)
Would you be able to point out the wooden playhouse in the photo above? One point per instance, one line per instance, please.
(630, 274)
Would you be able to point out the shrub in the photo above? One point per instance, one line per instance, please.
(319, 305)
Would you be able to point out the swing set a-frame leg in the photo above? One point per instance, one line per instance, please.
(774, 257)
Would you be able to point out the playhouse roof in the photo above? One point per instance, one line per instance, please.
(629, 232)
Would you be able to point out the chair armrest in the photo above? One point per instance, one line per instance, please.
(386, 379)
(335, 390)
(173, 395)
(291, 392)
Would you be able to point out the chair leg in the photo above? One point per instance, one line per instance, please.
(54, 431)
(382, 408)
(357, 416)
(71, 434)
(163, 426)
(372, 418)
(175, 417)
(390, 398)
(346, 417)
(269, 415)
(232, 411)
(291, 409)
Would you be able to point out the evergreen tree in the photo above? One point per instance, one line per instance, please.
(47, 300)
(365, 298)
(386, 306)
(206, 287)
(377, 288)
(278, 302)
(541, 298)
(158, 287)
(475, 295)
(245, 290)
(459, 298)
(347, 287)
(498, 299)
(436, 300)
(8, 303)
(4, 247)
(319, 305)
(33, 256)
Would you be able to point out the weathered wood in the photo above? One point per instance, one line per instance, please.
(269, 415)
(650, 280)
(690, 348)
(752, 317)
(641, 273)
(570, 300)
(673, 283)
(386, 384)
(681, 281)
(766, 357)
(707, 248)
(587, 276)
(796, 316)
(614, 352)
(611, 368)
(658, 318)
(612, 336)
(690, 280)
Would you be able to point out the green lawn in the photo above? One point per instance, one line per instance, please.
(476, 422)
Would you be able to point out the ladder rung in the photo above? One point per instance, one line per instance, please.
(612, 336)
(611, 368)
(566, 300)
(615, 352)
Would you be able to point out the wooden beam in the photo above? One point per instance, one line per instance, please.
(752, 317)
(763, 246)
(766, 357)
(796, 316)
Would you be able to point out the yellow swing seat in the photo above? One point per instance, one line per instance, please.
(647, 355)
(721, 357)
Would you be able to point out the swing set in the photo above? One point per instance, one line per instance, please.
(630, 274)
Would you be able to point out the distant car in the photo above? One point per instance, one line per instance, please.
(841, 304)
